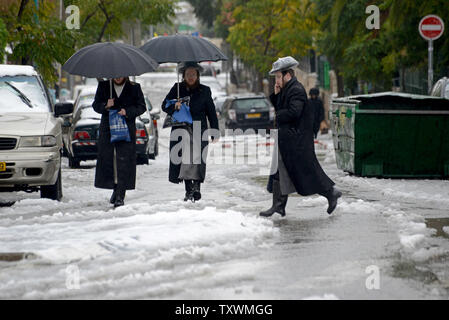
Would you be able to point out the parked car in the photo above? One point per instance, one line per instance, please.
(441, 88)
(247, 112)
(30, 134)
(149, 119)
(215, 87)
(84, 98)
(82, 137)
(219, 104)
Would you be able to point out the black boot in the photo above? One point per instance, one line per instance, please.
(120, 199)
(112, 200)
(196, 190)
(189, 192)
(332, 197)
(279, 201)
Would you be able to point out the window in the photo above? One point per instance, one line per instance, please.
(248, 104)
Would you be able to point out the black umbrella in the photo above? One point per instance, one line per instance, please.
(109, 60)
(182, 48)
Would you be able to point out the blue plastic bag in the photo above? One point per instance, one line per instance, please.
(118, 127)
(183, 115)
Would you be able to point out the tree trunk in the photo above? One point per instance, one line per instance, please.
(23, 4)
(340, 83)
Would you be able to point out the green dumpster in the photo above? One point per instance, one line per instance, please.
(392, 135)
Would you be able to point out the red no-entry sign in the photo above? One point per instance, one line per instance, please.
(431, 27)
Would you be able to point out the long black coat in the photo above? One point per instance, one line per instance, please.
(294, 121)
(202, 108)
(132, 100)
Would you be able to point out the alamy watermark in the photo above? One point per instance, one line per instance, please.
(373, 280)
(72, 280)
(73, 20)
(373, 21)
(238, 147)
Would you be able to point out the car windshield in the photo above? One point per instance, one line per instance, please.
(248, 104)
(22, 94)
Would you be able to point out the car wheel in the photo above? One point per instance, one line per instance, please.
(54, 191)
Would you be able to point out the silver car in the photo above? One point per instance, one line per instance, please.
(30, 134)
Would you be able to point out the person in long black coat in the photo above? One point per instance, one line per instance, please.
(202, 109)
(298, 167)
(318, 109)
(116, 162)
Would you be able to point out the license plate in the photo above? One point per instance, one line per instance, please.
(2, 166)
(253, 116)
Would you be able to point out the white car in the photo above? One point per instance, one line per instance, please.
(30, 134)
(441, 88)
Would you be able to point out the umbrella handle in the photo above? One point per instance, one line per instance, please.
(177, 72)
(110, 87)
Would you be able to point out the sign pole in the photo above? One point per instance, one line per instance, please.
(431, 28)
(430, 73)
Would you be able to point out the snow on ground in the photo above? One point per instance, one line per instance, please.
(158, 246)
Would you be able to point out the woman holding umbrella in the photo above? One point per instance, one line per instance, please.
(193, 169)
(116, 161)
(116, 164)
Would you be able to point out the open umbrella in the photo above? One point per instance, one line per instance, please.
(109, 60)
(182, 48)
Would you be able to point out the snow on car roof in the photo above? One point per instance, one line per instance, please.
(8, 70)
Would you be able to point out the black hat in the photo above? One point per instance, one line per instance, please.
(314, 91)
(190, 64)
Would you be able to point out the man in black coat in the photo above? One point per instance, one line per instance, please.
(297, 167)
(318, 109)
(116, 162)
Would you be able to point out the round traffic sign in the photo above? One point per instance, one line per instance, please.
(431, 27)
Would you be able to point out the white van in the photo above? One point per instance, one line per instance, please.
(30, 134)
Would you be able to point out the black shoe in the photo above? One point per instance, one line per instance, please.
(114, 195)
(333, 199)
(279, 202)
(196, 190)
(112, 200)
(118, 203)
(189, 193)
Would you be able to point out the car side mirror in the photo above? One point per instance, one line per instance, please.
(63, 108)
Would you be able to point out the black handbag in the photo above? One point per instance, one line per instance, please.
(169, 122)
